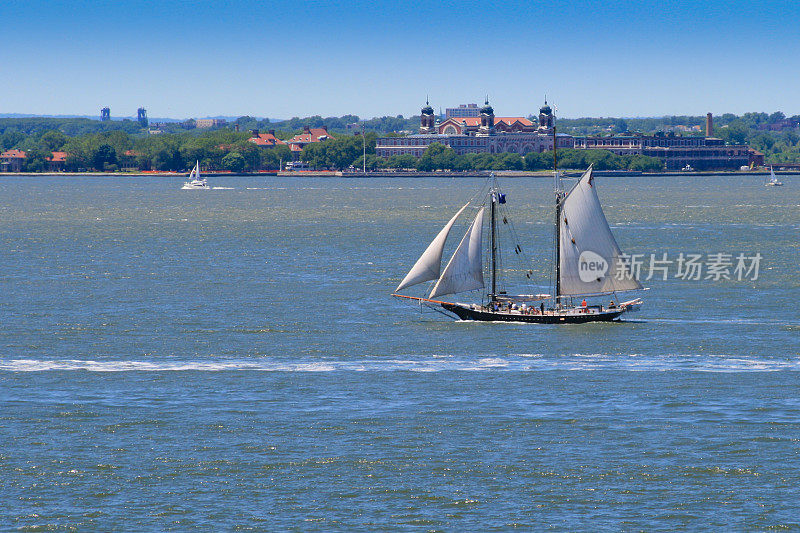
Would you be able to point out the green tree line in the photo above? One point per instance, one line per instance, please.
(124, 144)
(115, 150)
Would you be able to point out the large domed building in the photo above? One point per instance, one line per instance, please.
(485, 133)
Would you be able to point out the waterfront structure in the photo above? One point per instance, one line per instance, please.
(12, 160)
(484, 133)
(309, 135)
(699, 153)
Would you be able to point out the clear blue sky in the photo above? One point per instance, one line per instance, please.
(371, 58)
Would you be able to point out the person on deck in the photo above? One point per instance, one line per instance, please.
(583, 303)
(612, 305)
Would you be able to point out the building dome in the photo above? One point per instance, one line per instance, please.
(545, 109)
(427, 110)
(487, 109)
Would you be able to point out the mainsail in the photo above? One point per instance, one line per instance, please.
(429, 264)
(590, 261)
(464, 271)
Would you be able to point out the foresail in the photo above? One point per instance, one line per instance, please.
(429, 264)
(590, 259)
(464, 271)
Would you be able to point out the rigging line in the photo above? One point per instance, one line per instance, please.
(513, 231)
(438, 310)
(522, 258)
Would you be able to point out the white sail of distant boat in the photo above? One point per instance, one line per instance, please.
(773, 180)
(590, 259)
(195, 181)
(429, 264)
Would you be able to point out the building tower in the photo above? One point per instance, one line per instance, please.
(141, 116)
(709, 125)
(427, 119)
(545, 117)
(487, 119)
(105, 114)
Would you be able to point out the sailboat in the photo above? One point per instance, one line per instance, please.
(195, 181)
(587, 263)
(773, 180)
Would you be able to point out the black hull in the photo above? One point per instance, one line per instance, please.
(466, 313)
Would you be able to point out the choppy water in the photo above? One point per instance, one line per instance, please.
(231, 360)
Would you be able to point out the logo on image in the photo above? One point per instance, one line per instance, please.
(592, 267)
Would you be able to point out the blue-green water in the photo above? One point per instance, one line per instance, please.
(231, 360)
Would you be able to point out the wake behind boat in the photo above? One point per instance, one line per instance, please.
(195, 181)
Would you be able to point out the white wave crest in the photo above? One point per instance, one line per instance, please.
(522, 362)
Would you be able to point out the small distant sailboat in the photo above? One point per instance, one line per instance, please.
(195, 181)
(773, 180)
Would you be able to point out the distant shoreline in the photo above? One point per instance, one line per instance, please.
(376, 174)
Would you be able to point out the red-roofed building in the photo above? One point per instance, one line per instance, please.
(11, 160)
(467, 125)
(309, 135)
(127, 161)
(57, 162)
(266, 140)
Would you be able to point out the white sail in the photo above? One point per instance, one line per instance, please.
(590, 261)
(429, 264)
(464, 271)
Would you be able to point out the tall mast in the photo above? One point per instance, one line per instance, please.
(494, 243)
(558, 217)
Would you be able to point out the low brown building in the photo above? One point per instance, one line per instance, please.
(12, 160)
(699, 153)
(57, 162)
